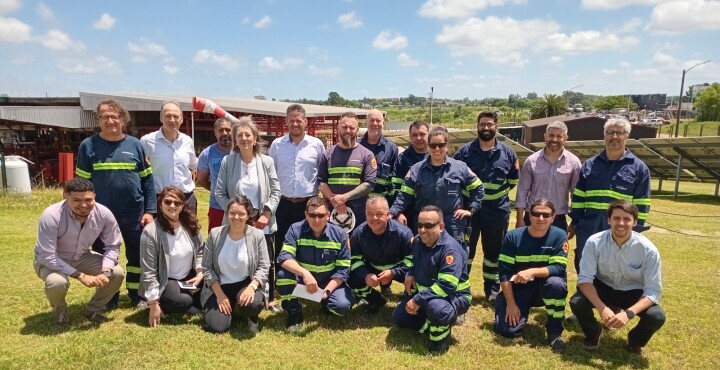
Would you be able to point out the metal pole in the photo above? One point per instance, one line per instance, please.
(660, 184)
(192, 125)
(717, 187)
(677, 177)
(3, 171)
(677, 123)
(431, 104)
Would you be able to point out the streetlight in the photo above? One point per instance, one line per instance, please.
(682, 87)
(567, 92)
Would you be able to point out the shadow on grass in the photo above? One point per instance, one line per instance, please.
(611, 354)
(41, 323)
(409, 341)
(686, 197)
(140, 318)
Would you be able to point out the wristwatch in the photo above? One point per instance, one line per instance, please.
(254, 286)
(107, 274)
(630, 314)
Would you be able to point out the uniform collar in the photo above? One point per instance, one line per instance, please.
(627, 155)
(364, 140)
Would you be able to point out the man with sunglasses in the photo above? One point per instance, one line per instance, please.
(532, 268)
(437, 283)
(615, 173)
(497, 166)
(315, 253)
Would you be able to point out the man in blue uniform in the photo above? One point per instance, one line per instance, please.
(437, 283)
(209, 166)
(532, 273)
(381, 252)
(615, 173)
(347, 171)
(384, 150)
(315, 253)
(115, 163)
(416, 152)
(497, 166)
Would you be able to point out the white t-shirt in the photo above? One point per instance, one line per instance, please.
(181, 254)
(233, 261)
(249, 186)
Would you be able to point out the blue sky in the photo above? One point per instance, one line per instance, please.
(361, 48)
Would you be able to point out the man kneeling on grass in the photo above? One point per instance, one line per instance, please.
(620, 277)
(66, 232)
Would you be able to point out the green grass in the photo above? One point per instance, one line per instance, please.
(688, 339)
(707, 128)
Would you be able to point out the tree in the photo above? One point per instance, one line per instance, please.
(547, 106)
(335, 99)
(619, 101)
(708, 103)
(532, 95)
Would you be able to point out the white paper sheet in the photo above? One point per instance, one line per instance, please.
(301, 292)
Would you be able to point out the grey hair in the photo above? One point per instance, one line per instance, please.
(557, 124)
(220, 121)
(377, 199)
(247, 121)
(166, 102)
(618, 122)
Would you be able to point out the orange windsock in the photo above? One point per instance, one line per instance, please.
(209, 106)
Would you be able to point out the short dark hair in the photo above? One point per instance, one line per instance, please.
(220, 121)
(315, 202)
(543, 202)
(295, 108)
(79, 184)
(187, 218)
(488, 114)
(243, 201)
(349, 115)
(418, 124)
(112, 103)
(623, 205)
(439, 131)
(432, 208)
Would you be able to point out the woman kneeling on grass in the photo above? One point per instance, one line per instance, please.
(171, 250)
(236, 265)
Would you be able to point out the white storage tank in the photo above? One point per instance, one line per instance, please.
(18, 175)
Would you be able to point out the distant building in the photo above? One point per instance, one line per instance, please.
(587, 127)
(651, 102)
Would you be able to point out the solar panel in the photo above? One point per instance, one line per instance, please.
(701, 155)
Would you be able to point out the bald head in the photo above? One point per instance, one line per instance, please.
(375, 124)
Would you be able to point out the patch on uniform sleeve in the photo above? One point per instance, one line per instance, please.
(517, 164)
(348, 243)
(566, 246)
(412, 238)
(449, 259)
(374, 163)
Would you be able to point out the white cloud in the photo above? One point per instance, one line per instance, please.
(406, 61)
(555, 59)
(664, 59)
(587, 41)
(272, 64)
(171, 70)
(13, 30)
(625, 64)
(7, 6)
(45, 12)
(105, 22)
(348, 20)
(685, 15)
(645, 72)
(490, 40)
(224, 61)
(626, 27)
(388, 40)
(58, 40)
(138, 59)
(148, 48)
(444, 9)
(616, 4)
(264, 22)
(99, 64)
(609, 72)
(23, 59)
(323, 72)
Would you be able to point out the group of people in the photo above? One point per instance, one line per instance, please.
(341, 224)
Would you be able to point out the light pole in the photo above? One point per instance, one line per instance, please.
(567, 92)
(682, 87)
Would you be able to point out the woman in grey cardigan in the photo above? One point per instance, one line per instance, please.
(235, 265)
(171, 250)
(248, 172)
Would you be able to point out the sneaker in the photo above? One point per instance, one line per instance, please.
(140, 305)
(96, 316)
(110, 306)
(556, 343)
(492, 296)
(571, 318)
(437, 348)
(193, 311)
(460, 320)
(294, 322)
(254, 327)
(593, 341)
(386, 290)
(275, 309)
(61, 319)
(635, 350)
(375, 302)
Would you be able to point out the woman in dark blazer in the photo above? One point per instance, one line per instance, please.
(171, 250)
(236, 265)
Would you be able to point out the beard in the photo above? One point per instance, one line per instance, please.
(486, 135)
(225, 140)
(348, 140)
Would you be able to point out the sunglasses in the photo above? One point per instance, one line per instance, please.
(176, 202)
(437, 145)
(427, 225)
(316, 215)
(543, 214)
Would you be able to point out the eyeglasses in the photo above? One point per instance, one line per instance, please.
(613, 133)
(437, 145)
(427, 225)
(176, 202)
(236, 213)
(110, 117)
(486, 124)
(541, 214)
(316, 215)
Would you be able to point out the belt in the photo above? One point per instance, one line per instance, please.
(295, 199)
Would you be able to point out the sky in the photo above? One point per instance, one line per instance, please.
(358, 48)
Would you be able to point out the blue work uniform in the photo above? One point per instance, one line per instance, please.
(406, 160)
(498, 169)
(450, 186)
(386, 155)
(443, 287)
(372, 254)
(326, 257)
(601, 182)
(521, 251)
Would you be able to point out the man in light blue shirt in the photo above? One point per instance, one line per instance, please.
(620, 277)
(209, 166)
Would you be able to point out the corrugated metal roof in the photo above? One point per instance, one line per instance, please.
(67, 117)
(548, 120)
(152, 102)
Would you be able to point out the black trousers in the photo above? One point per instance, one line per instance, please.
(491, 237)
(651, 320)
(177, 300)
(218, 322)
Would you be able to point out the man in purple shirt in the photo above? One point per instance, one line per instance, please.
(66, 232)
(551, 173)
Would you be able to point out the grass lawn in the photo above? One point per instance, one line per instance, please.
(690, 299)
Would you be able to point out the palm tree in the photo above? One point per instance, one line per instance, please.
(548, 106)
